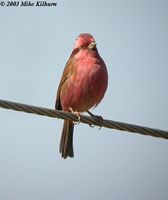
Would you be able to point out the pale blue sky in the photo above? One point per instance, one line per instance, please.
(35, 43)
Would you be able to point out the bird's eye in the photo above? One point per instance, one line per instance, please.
(81, 47)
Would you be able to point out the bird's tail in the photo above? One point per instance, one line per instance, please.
(66, 143)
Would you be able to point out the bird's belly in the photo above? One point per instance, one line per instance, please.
(84, 91)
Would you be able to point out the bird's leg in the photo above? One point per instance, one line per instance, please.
(78, 114)
(98, 119)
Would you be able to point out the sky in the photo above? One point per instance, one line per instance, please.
(35, 43)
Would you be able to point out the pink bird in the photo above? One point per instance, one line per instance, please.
(82, 86)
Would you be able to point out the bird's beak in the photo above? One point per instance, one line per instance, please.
(92, 45)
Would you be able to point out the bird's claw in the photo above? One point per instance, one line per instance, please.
(78, 115)
(91, 125)
(98, 119)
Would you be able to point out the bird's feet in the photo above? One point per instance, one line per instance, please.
(78, 114)
(97, 118)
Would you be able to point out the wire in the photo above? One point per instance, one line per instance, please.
(84, 119)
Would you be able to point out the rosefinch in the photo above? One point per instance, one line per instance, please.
(82, 86)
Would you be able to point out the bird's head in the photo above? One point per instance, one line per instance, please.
(85, 41)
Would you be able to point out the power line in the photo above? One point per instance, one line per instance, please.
(84, 119)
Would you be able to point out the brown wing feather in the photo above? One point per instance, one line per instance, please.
(66, 73)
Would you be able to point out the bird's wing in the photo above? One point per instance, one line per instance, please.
(68, 70)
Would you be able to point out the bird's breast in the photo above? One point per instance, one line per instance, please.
(86, 87)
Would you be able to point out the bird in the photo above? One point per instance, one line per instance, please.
(82, 86)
